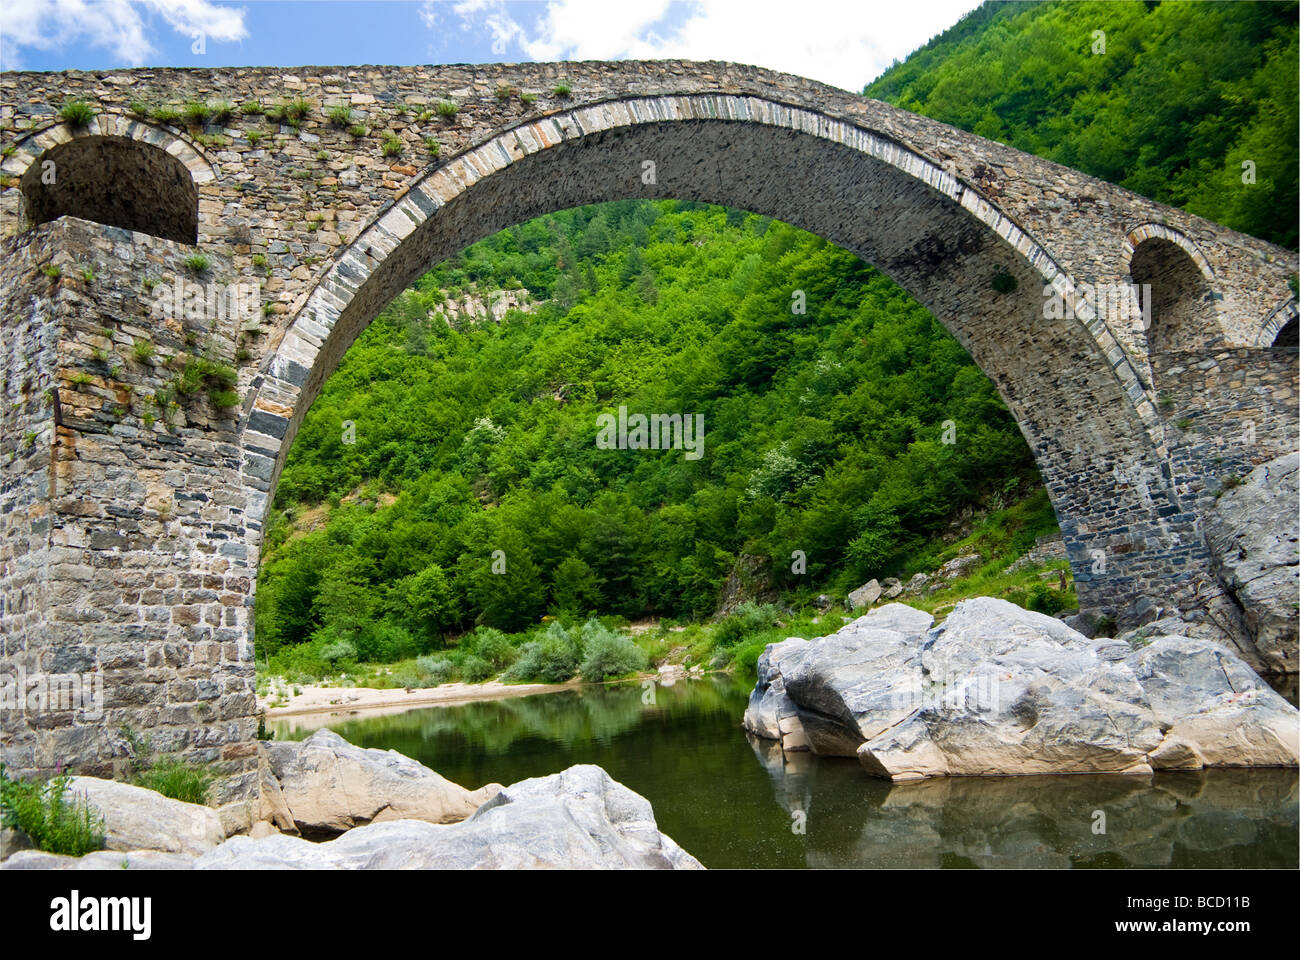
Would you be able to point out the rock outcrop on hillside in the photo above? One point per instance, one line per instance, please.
(999, 690)
(1253, 534)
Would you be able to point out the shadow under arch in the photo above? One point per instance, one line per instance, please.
(1182, 307)
(1081, 407)
(115, 171)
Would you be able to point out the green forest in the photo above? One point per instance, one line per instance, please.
(448, 477)
(1177, 98)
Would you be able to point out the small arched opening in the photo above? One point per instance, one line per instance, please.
(114, 180)
(1177, 300)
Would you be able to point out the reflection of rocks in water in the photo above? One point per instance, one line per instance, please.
(1221, 817)
(789, 773)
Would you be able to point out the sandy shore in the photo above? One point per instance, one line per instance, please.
(340, 700)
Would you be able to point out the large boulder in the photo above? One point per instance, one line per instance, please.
(999, 690)
(1215, 710)
(578, 819)
(852, 685)
(136, 818)
(771, 714)
(1253, 534)
(328, 786)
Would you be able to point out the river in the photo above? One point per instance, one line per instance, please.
(734, 802)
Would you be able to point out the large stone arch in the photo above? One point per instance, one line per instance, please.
(1082, 407)
(115, 170)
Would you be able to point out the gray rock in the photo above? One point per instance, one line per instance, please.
(1213, 706)
(771, 714)
(100, 860)
(916, 584)
(140, 819)
(329, 786)
(890, 588)
(578, 819)
(959, 566)
(864, 596)
(822, 602)
(853, 684)
(1253, 534)
(999, 690)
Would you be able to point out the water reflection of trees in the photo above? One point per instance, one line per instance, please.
(596, 714)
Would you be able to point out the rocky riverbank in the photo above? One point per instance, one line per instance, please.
(326, 804)
(997, 690)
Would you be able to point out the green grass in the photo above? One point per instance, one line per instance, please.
(77, 113)
(54, 821)
(167, 115)
(392, 145)
(196, 113)
(197, 263)
(223, 111)
(177, 780)
(339, 116)
(562, 89)
(447, 109)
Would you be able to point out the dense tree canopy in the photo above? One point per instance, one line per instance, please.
(1170, 100)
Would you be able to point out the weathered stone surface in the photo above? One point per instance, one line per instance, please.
(999, 690)
(578, 819)
(329, 786)
(140, 819)
(1205, 697)
(959, 566)
(864, 596)
(1254, 537)
(100, 860)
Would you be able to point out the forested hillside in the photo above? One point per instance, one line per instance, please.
(1173, 103)
(822, 433)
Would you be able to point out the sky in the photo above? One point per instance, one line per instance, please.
(846, 43)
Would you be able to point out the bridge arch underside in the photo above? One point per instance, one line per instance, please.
(1099, 464)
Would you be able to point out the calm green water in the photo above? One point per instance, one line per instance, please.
(733, 802)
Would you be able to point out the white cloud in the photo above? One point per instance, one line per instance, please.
(119, 25)
(846, 43)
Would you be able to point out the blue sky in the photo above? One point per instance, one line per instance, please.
(843, 42)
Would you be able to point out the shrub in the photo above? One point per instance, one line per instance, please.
(179, 781)
(747, 618)
(494, 646)
(334, 649)
(251, 108)
(435, 670)
(553, 659)
(142, 350)
(77, 113)
(52, 820)
(224, 399)
(608, 654)
(474, 669)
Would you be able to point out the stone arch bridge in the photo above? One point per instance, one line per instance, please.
(134, 485)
